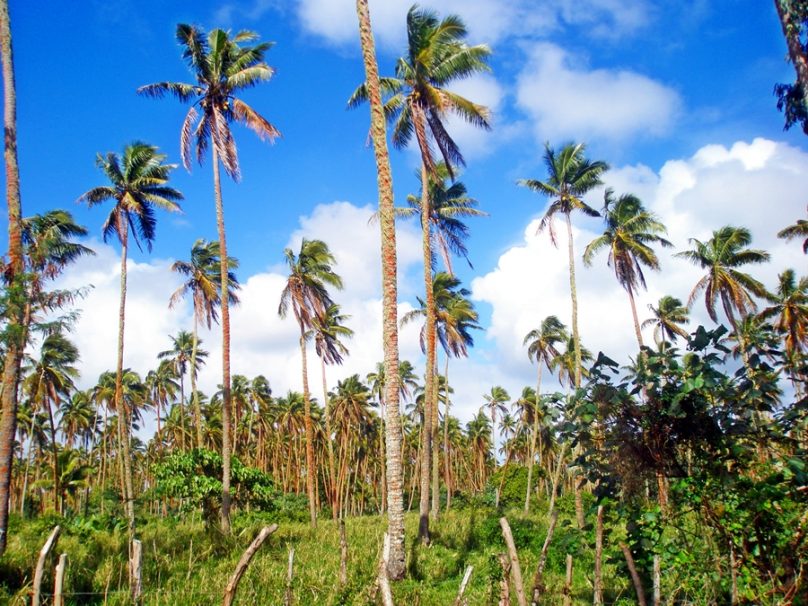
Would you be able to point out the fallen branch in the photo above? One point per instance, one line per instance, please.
(459, 601)
(232, 584)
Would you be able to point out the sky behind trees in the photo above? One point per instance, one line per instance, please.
(675, 96)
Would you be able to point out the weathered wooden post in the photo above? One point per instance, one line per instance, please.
(568, 582)
(136, 570)
(597, 599)
(39, 571)
(246, 558)
(290, 572)
(459, 601)
(515, 568)
(59, 580)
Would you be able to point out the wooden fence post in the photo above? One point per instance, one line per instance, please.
(568, 583)
(657, 581)
(40, 564)
(515, 568)
(246, 558)
(505, 582)
(135, 570)
(59, 580)
(459, 601)
(290, 572)
(597, 599)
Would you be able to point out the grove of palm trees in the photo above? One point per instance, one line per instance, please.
(413, 406)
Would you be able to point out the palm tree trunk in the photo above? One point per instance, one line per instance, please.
(14, 273)
(395, 480)
(194, 394)
(331, 468)
(120, 406)
(576, 339)
(435, 509)
(55, 454)
(429, 389)
(182, 409)
(225, 306)
(533, 437)
(28, 462)
(446, 463)
(309, 432)
(382, 454)
(637, 330)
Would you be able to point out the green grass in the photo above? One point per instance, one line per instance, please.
(185, 565)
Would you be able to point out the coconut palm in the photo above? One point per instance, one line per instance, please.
(163, 387)
(180, 356)
(630, 232)
(77, 418)
(222, 67)
(667, 318)
(418, 104)
(541, 346)
(570, 176)
(203, 282)
(797, 230)
(565, 364)
(789, 311)
(393, 427)
(310, 273)
(721, 256)
(138, 184)
(495, 401)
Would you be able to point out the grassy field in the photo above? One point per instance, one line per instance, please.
(185, 565)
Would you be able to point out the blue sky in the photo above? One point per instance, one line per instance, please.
(675, 96)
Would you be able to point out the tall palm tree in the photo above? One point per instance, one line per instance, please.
(630, 230)
(163, 388)
(667, 318)
(797, 230)
(570, 176)
(327, 330)
(77, 418)
(13, 271)
(541, 346)
(138, 183)
(393, 428)
(203, 282)
(495, 401)
(789, 310)
(721, 255)
(419, 102)
(222, 66)
(310, 273)
(180, 355)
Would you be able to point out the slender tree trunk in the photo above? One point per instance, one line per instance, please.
(120, 405)
(533, 437)
(29, 460)
(637, 330)
(382, 454)
(395, 486)
(435, 509)
(55, 455)
(330, 486)
(576, 339)
(225, 303)
(14, 274)
(446, 463)
(182, 410)
(796, 50)
(429, 327)
(194, 394)
(309, 432)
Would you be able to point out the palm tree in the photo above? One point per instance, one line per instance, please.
(570, 176)
(797, 230)
(310, 272)
(565, 364)
(222, 66)
(436, 56)
(667, 317)
(13, 272)
(393, 429)
(630, 230)
(541, 346)
(77, 418)
(138, 183)
(180, 356)
(327, 330)
(721, 255)
(163, 387)
(51, 379)
(789, 310)
(495, 401)
(203, 282)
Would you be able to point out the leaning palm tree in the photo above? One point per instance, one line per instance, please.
(393, 427)
(495, 401)
(541, 346)
(418, 104)
(797, 230)
(138, 183)
(570, 176)
(667, 319)
(789, 310)
(310, 273)
(630, 230)
(327, 330)
(721, 255)
(222, 67)
(203, 282)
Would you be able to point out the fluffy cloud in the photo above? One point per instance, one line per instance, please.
(588, 104)
(758, 185)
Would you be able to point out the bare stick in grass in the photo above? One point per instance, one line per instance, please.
(635, 578)
(515, 568)
(59, 581)
(39, 571)
(232, 584)
(459, 601)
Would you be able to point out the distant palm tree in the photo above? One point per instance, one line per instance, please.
(797, 230)
(668, 316)
(77, 418)
(203, 283)
(138, 183)
(495, 401)
(163, 387)
(565, 365)
(541, 346)
(570, 176)
(630, 230)
(310, 273)
(721, 255)
(180, 355)
(789, 310)
(418, 105)
(222, 67)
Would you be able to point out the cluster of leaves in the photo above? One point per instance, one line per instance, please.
(791, 97)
